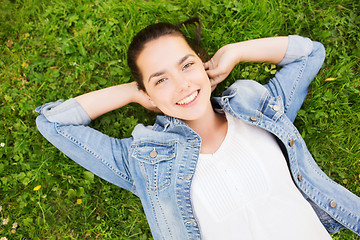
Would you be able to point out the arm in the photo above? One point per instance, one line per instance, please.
(270, 50)
(82, 109)
(105, 100)
(299, 57)
(302, 61)
(64, 125)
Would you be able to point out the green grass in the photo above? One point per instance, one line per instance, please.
(59, 49)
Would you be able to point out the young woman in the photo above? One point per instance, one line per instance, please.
(231, 167)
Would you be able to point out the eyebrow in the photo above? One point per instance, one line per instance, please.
(183, 59)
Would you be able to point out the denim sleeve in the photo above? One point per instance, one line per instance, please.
(63, 124)
(68, 112)
(302, 61)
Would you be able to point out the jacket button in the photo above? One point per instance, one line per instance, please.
(333, 203)
(300, 177)
(253, 119)
(291, 142)
(153, 154)
(276, 108)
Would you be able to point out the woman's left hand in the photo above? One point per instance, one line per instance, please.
(270, 50)
(221, 64)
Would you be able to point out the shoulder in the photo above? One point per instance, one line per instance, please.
(245, 92)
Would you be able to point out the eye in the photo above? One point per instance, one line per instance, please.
(159, 81)
(187, 65)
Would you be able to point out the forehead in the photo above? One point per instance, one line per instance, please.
(163, 52)
(174, 42)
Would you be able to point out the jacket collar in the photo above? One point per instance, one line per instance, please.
(245, 96)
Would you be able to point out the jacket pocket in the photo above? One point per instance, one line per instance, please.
(156, 163)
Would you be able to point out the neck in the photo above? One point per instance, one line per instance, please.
(212, 129)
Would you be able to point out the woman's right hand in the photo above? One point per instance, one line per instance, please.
(270, 50)
(143, 99)
(221, 64)
(99, 102)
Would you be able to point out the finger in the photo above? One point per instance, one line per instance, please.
(212, 73)
(216, 80)
(207, 65)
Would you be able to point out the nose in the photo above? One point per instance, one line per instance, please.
(181, 83)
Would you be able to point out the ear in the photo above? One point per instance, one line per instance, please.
(147, 97)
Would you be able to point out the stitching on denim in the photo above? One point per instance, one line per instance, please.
(348, 225)
(280, 103)
(165, 143)
(321, 174)
(239, 115)
(171, 144)
(163, 214)
(317, 170)
(263, 99)
(97, 156)
(133, 188)
(302, 142)
(154, 212)
(296, 82)
(334, 214)
(184, 196)
(269, 104)
(153, 182)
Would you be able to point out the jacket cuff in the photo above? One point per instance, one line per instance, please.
(68, 113)
(298, 47)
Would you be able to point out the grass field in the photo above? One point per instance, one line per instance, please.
(58, 49)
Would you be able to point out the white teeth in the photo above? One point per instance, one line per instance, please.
(188, 99)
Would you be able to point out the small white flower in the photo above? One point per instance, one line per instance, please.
(3, 238)
(5, 221)
(14, 225)
(2, 144)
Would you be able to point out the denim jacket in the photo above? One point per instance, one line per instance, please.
(157, 163)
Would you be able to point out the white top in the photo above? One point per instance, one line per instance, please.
(244, 191)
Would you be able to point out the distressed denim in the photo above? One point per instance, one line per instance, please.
(157, 163)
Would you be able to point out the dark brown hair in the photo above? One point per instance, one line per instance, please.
(155, 31)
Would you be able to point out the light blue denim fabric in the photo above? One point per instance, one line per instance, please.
(158, 162)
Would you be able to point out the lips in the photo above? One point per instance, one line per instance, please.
(188, 99)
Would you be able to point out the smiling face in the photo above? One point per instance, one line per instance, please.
(175, 78)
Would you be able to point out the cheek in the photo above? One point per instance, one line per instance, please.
(200, 75)
(161, 97)
(202, 78)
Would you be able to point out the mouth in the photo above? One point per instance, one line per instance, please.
(188, 99)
